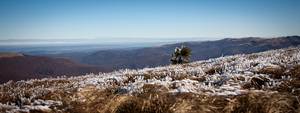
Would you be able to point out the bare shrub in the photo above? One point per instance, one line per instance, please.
(153, 88)
(153, 76)
(214, 70)
(295, 72)
(246, 85)
(258, 82)
(275, 72)
(130, 79)
(179, 77)
(148, 76)
(253, 56)
(199, 79)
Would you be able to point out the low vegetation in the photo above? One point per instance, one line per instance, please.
(233, 84)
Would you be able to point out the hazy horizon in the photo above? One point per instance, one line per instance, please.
(101, 41)
(53, 46)
(110, 40)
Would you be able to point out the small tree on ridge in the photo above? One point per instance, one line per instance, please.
(181, 55)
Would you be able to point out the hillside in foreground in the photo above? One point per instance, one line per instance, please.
(266, 82)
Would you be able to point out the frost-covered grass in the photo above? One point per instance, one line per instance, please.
(261, 82)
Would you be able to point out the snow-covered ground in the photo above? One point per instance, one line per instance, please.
(218, 83)
(224, 76)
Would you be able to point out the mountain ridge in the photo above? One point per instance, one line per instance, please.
(21, 67)
(160, 55)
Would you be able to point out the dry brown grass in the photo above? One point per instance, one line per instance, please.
(293, 85)
(253, 56)
(214, 70)
(199, 79)
(193, 103)
(153, 76)
(275, 72)
(295, 72)
(130, 79)
(156, 99)
(256, 83)
(153, 88)
(180, 77)
(263, 103)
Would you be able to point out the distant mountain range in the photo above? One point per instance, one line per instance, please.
(157, 56)
(19, 66)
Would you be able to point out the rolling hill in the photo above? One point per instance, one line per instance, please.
(263, 82)
(16, 66)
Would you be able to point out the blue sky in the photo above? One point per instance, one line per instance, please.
(83, 19)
